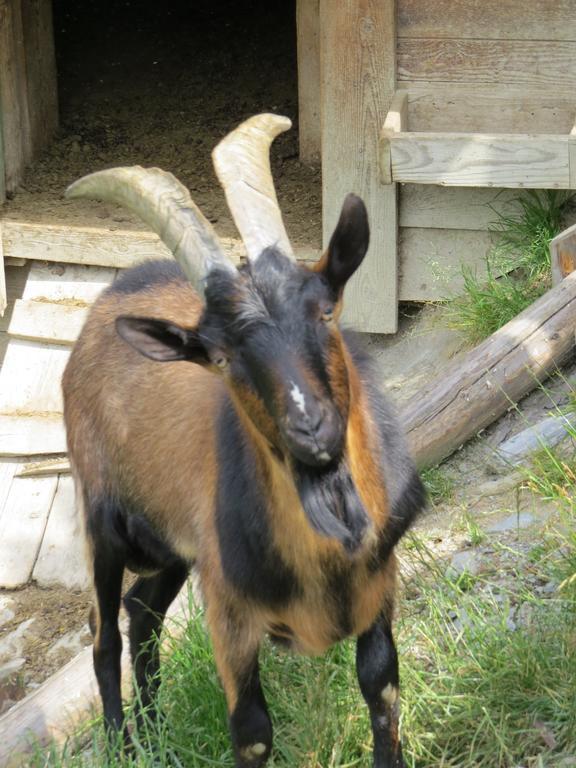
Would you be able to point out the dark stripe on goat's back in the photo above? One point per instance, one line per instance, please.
(250, 561)
(147, 275)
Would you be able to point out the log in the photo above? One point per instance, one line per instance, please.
(475, 390)
(563, 254)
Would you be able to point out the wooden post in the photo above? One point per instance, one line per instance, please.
(563, 254)
(358, 66)
(308, 32)
(2, 171)
(41, 71)
(3, 296)
(13, 94)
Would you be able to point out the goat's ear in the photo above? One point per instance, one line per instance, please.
(348, 244)
(161, 340)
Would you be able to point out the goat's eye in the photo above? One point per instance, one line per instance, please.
(327, 314)
(220, 360)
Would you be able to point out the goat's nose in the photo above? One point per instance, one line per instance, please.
(314, 433)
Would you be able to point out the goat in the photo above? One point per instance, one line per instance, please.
(260, 452)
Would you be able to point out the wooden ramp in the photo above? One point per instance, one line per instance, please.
(40, 537)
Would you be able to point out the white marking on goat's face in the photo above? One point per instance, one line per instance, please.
(324, 456)
(298, 397)
(389, 695)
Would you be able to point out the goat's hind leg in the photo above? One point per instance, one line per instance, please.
(108, 564)
(147, 602)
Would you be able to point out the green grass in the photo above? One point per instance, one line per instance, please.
(439, 486)
(517, 267)
(476, 692)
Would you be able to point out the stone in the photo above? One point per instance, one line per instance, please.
(11, 667)
(73, 641)
(464, 562)
(511, 523)
(13, 644)
(6, 612)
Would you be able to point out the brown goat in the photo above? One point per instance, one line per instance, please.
(259, 452)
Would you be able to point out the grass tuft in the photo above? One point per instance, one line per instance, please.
(517, 267)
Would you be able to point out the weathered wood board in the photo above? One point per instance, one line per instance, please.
(47, 321)
(22, 524)
(482, 107)
(13, 94)
(490, 19)
(481, 160)
(431, 261)
(3, 291)
(30, 378)
(356, 94)
(42, 87)
(61, 559)
(528, 62)
(309, 118)
(75, 284)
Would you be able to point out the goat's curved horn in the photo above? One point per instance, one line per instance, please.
(242, 164)
(163, 203)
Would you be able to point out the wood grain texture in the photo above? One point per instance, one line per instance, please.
(30, 378)
(488, 61)
(358, 82)
(309, 117)
(53, 466)
(480, 108)
(3, 291)
(396, 120)
(45, 321)
(22, 526)
(2, 166)
(426, 205)
(475, 390)
(16, 129)
(42, 90)
(482, 160)
(32, 434)
(70, 284)
(492, 19)
(431, 261)
(61, 559)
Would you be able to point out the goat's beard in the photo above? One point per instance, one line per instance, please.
(332, 504)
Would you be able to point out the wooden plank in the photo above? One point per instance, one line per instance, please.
(572, 155)
(3, 291)
(74, 284)
(46, 321)
(431, 261)
(2, 166)
(492, 19)
(396, 120)
(475, 390)
(438, 106)
(54, 466)
(32, 434)
(308, 32)
(476, 160)
(358, 61)
(563, 254)
(22, 524)
(13, 94)
(425, 205)
(81, 245)
(30, 378)
(9, 468)
(488, 61)
(41, 71)
(61, 559)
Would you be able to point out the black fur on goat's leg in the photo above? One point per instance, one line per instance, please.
(377, 668)
(250, 725)
(146, 603)
(109, 563)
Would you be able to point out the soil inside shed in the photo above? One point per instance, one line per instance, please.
(159, 85)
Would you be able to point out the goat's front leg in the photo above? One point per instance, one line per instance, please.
(377, 668)
(236, 654)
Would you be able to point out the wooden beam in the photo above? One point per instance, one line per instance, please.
(13, 94)
(358, 63)
(481, 160)
(308, 33)
(2, 164)
(53, 466)
(395, 122)
(572, 156)
(3, 294)
(475, 390)
(563, 254)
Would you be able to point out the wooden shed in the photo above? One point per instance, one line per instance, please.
(435, 111)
